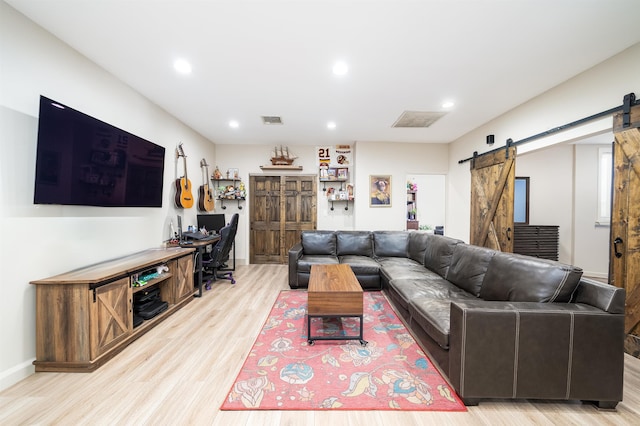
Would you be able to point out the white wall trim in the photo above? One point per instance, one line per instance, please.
(18, 372)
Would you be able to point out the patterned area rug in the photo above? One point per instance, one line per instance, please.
(284, 372)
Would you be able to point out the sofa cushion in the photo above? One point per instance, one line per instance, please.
(518, 278)
(433, 286)
(305, 262)
(434, 317)
(404, 269)
(468, 267)
(390, 243)
(417, 245)
(354, 242)
(399, 263)
(318, 242)
(361, 265)
(438, 253)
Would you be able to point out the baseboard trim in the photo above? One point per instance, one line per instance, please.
(13, 375)
(601, 275)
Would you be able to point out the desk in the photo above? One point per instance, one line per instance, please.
(201, 249)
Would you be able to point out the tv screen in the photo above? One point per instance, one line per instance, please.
(81, 160)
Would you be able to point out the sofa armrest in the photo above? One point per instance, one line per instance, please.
(536, 350)
(295, 253)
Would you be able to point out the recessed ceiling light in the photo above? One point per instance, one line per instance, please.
(340, 68)
(182, 66)
(234, 124)
(331, 125)
(447, 104)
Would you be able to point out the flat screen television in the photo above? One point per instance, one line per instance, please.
(81, 160)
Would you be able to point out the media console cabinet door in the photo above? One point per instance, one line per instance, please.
(183, 276)
(111, 315)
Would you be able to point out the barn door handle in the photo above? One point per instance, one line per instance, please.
(617, 241)
(508, 234)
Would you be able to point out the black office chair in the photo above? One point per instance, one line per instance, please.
(215, 263)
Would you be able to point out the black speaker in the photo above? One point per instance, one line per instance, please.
(490, 139)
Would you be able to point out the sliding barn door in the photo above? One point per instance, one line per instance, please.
(281, 207)
(624, 260)
(492, 186)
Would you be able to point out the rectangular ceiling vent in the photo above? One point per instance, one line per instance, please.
(417, 119)
(271, 119)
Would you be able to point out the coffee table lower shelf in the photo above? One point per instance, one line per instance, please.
(311, 339)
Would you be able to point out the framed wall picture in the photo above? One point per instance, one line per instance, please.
(342, 174)
(380, 190)
(233, 174)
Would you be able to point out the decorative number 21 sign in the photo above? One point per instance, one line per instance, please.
(324, 156)
(339, 155)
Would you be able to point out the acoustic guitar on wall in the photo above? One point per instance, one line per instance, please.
(184, 197)
(205, 199)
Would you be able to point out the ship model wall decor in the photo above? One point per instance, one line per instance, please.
(282, 157)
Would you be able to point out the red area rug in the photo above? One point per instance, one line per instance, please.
(284, 372)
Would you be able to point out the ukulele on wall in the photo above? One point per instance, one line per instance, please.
(205, 199)
(184, 197)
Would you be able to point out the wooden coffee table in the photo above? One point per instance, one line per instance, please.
(334, 292)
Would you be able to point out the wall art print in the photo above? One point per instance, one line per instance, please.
(380, 190)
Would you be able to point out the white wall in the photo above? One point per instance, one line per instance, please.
(42, 240)
(597, 89)
(398, 160)
(431, 199)
(551, 192)
(591, 241)
(370, 158)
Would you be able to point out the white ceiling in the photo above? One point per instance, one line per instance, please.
(254, 58)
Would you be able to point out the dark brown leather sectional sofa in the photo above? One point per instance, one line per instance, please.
(499, 325)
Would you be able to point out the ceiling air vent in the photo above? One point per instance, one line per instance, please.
(271, 119)
(417, 119)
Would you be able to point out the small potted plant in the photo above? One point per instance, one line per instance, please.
(427, 228)
(412, 214)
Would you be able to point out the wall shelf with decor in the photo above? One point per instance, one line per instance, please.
(346, 207)
(235, 191)
(330, 177)
(334, 174)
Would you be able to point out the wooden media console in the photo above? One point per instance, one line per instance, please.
(85, 317)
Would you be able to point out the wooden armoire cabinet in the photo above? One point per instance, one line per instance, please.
(281, 206)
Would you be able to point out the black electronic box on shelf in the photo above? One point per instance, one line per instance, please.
(147, 304)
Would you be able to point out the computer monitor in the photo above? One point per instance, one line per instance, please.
(179, 228)
(211, 222)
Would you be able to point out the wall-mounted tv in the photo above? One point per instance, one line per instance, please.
(81, 160)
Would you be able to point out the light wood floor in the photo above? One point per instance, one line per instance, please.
(180, 372)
